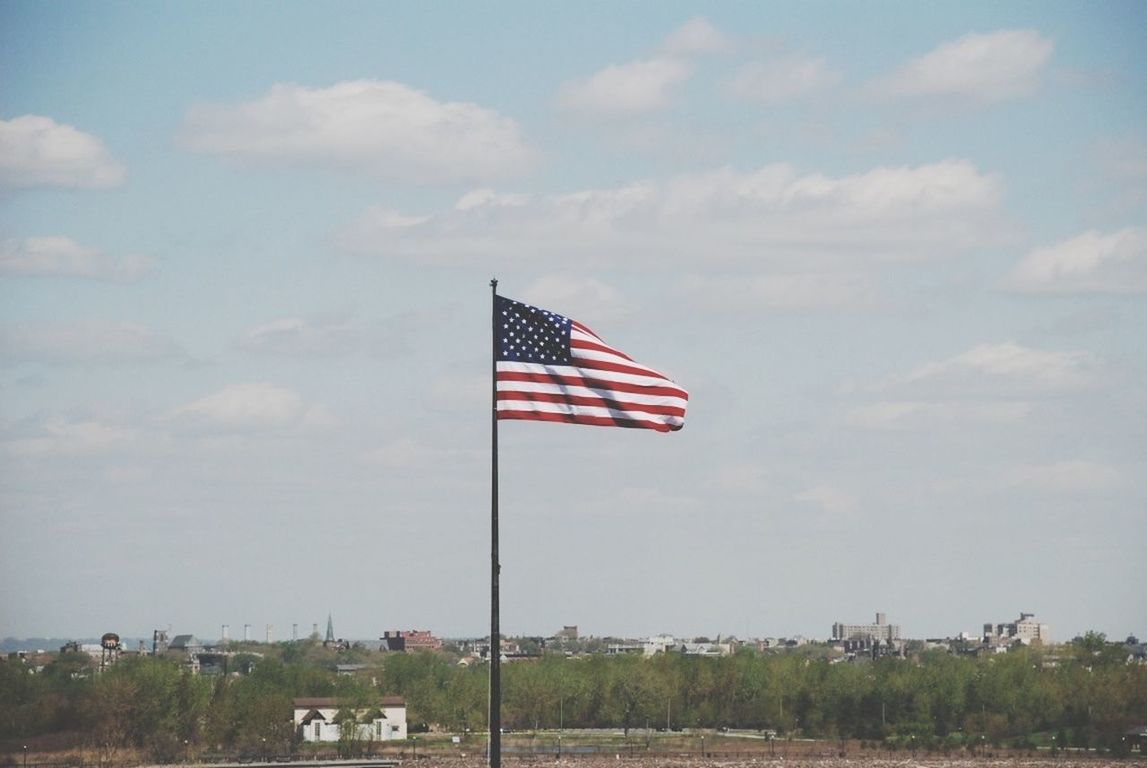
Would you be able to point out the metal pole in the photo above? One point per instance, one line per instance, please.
(495, 747)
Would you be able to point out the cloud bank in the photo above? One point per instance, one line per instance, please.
(63, 257)
(251, 407)
(633, 88)
(88, 343)
(724, 215)
(36, 151)
(981, 68)
(383, 128)
(1093, 262)
(639, 87)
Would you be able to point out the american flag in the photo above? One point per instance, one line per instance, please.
(551, 368)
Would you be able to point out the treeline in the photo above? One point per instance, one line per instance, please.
(1083, 695)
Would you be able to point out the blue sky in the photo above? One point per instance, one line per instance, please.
(897, 253)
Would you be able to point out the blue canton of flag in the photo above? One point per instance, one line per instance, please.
(552, 368)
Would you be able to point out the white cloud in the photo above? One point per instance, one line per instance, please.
(293, 336)
(1007, 363)
(1093, 262)
(907, 213)
(695, 36)
(251, 407)
(383, 128)
(981, 68)
(782, 291)
(1072, 476)
(61, 437)
(475, 198)
(621, 90)
(62, 256)
(37, 151)
(784, 79)
(918, 414)
(88, 343)
(638, 87)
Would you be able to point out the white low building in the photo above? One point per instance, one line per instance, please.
(324, 720)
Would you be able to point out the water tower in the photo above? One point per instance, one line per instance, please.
(110, 648)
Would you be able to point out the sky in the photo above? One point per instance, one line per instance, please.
(896, 253)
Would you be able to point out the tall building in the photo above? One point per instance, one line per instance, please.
(1026, 630)
(881, 630)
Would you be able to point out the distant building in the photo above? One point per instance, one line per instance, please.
(409, 640)
(618, 649)
(868, 648)
(881, 630)
(1025, 630)
(185, 644)
(324, 720)
(658, 644)
(703, 649)
(568, 632)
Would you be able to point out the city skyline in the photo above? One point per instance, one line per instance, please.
(230, 633)
(895, 253)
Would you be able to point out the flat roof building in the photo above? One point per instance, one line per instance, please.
(881, 630)
(1026, 629)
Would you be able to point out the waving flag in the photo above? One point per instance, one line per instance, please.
(551, 368)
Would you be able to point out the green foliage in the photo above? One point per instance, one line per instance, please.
(935, 701)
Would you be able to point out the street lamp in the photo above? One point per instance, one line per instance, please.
(25, 754)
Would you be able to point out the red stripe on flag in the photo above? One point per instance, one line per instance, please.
(595, 402)
(596, 421)
(667, 390)
(599, 346)
(601, 365)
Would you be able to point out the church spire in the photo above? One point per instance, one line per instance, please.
(330, 630)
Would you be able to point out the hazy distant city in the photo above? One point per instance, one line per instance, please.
(875, 639)
(867, 688)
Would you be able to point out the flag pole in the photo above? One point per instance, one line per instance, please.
(494, 748)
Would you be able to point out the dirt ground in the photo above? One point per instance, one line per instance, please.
(650, 761)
